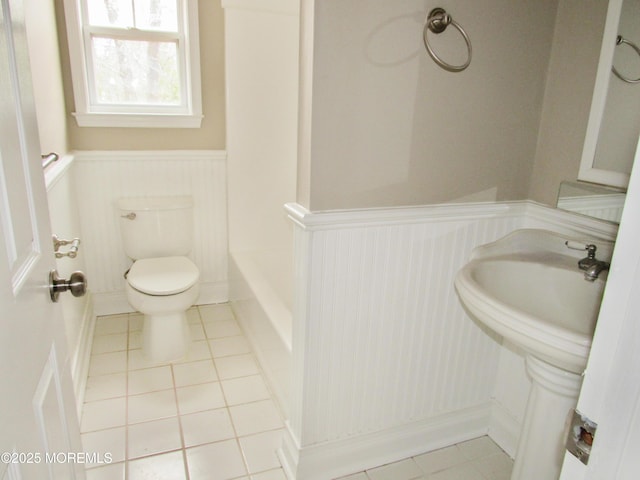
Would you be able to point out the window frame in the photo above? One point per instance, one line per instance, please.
(91, 114)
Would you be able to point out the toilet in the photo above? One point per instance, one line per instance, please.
(162, 283)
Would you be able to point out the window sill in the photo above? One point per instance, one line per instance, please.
(123, 120)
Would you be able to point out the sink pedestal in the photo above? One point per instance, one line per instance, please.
(553, 396)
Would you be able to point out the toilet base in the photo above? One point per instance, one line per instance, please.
(165, 332)
(165, 338)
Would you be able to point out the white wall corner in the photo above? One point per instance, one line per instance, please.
(504, 428)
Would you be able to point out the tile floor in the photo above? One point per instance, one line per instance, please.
(478, 459)
(211, 416)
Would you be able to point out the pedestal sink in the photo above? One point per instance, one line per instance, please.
(527, 288)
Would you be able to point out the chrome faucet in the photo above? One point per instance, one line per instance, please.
(590, 264)
(592, 272)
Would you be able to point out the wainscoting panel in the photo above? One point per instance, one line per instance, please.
(381, 343)
(386, 341)
(104, 177)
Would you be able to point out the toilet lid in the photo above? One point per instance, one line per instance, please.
(163, 276)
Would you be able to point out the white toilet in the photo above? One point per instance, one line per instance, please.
(162, 283)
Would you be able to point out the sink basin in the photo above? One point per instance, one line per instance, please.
(527, 288)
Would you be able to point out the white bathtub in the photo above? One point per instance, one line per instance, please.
(260, 292)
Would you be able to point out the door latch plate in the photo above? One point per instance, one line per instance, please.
(581, 435)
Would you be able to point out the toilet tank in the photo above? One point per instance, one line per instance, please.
(156, 226)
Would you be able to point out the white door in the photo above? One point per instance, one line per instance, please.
(39, 432)
(610, 393)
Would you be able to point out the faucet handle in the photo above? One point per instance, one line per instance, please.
(589, 247)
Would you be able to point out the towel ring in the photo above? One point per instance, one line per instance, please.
(620, 40)
(437, 22)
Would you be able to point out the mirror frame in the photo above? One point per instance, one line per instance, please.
(587, 172)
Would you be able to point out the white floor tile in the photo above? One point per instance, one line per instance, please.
(105, 363)
(103, 414)
(245, 389)
(224, 347)
(138, 361)
(197, 398)
(114, 471)
(439, 460)
(167, 466)
(152, 406)
(198, 350)
(460, 472)
(150, 380)
(402, 470)
(495, 467)
(110, 441)
(196, 331)
(222, 328)
(206, 427)
(109, 343)
(135, 340)
(101, 387)
(260, 450)
(236, 366)
(154, 437)
(272, 475)
(212, 313)
(193, 373)
(355, 476)
(478, 447)
(215, 461)
(111, 324)
(255, 417)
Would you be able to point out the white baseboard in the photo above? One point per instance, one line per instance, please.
(82, 355)
(354, 454)
(114, 303)
(213, 292)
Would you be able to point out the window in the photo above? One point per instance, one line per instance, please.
(135, 63)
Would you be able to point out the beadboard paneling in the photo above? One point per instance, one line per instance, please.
(381, 343)
(389, 340)
(103, 177)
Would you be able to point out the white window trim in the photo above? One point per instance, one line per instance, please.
(88, 116)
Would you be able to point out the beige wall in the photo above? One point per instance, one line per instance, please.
(382, 125)
(389, 127)
(211, 135)
(571, 78)
(48, 93)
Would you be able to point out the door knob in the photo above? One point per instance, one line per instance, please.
(77, 284)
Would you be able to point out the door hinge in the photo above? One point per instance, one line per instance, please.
(581, 435)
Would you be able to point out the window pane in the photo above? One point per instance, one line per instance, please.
(157, 15)
(149, 14)
(133, 72)
(110, 13)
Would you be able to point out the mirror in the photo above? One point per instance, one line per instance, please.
(596, 201)
(614, 120)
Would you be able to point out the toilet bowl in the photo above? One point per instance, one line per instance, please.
(163, 289)
(162, 282)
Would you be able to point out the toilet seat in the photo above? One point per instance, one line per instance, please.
(163, 276)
